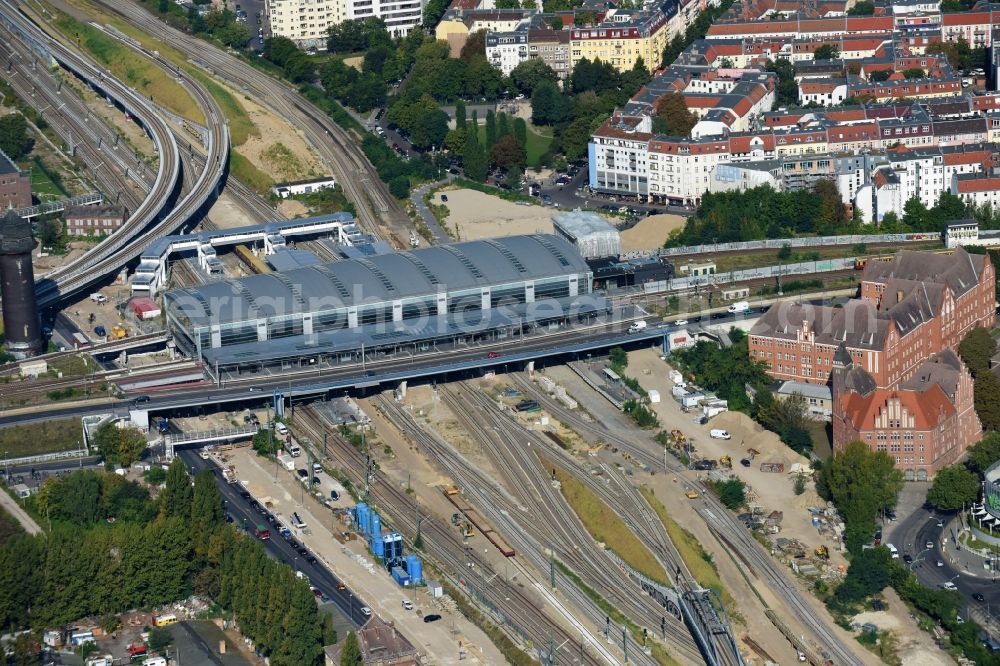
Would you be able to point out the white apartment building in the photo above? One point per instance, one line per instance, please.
(617, 157)
(507, 50)
(307, 22)
(977, 189)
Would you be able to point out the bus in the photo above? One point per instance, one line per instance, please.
(164, 620)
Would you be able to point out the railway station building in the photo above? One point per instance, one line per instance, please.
(379, 306)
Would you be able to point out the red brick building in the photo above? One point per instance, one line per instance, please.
(924, 424)
(910, 308)
(93, 220)
(890, 355)
(15, 185)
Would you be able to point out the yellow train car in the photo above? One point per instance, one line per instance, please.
(253, 263)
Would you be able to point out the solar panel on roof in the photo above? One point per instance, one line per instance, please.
(426, 272)
(295, 289)
(507, 254)
(334, 280)
(377, 272)
(544, 242)
(464, 260)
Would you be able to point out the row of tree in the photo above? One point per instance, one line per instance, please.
(111, 548)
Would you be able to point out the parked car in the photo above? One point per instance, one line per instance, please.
(433, 617)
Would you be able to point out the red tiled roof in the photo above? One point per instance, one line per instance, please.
(983, 184)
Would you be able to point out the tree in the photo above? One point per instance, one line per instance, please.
(76, 498)
(618, 357)
(399, 187)
(351, 654)
(14, 137)
(508, 153)
(474, 46)
(953, 488)
(474, 159)
(785, 252)
(634, 79)
(915, 214)
(986, 397)
(862, 8)
(548, 106)
(833, 212)
(984, 453)
(460, 119)
(49, 232)
(503, 125)
(159, 639)
(914, 73)
(861, 483)
(430, 130)
(597, 76)
(528, 74)
(175, 500)
(976, 350)
(119, 445)
(491, 129)
(826, 52)
(520, 129)
(788, 88)
(799, 485)
(556, 23)
(357, 35)
(235, 35)
(673, 49)
(673, 116)
(731, 492)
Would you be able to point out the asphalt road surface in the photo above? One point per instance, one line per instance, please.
(243, 514)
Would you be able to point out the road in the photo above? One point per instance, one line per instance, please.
(244, 515)
(917, 527)
(8, 504)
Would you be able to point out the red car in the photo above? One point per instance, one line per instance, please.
(493, 355)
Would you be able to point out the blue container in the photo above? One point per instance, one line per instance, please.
(378, 547)
(415, 568)
(400, 576)
(361, 515)
(375, 529)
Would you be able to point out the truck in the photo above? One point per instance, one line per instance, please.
(637, 326)
(717, 433)
(261, 532)
(80, 340)
(98, 298)
(286, 461)
(229, 474)
(738, 306)
(118, 332)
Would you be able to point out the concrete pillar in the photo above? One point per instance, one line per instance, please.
(397, 310)
(442, 303)
(307, 324)
(216, 335)
(485, 302)
(402, 389)
(574, 285)
(261, 330)
(352, 317)
(529, 292)
(531, 368)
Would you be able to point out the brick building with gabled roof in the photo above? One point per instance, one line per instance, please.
(925, 424)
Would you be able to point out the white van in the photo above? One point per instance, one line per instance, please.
(720, 434)
(893, 551)
(281, 429)
(294, 450)
(741, 306)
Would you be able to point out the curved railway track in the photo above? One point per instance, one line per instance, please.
(376, 207)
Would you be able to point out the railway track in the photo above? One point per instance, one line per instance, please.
(724, 523)
(552, 523)
(376, 207)
(67, 114)
(83, 271)
(444, 546)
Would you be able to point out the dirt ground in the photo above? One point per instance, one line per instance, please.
(137, 138)
(915, 648)
(772, 491)
(292, 208)
(651, 232)
(477, 215)
(280, 150)
(226, 213)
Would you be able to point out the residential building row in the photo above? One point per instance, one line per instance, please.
(889, 355)
(307, 22)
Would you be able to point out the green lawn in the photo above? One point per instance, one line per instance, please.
(539, 141)
(36, 438)
(42, 183)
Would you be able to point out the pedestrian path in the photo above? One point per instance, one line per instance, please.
(417, 197)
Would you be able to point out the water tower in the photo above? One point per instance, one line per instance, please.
(17, 287)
